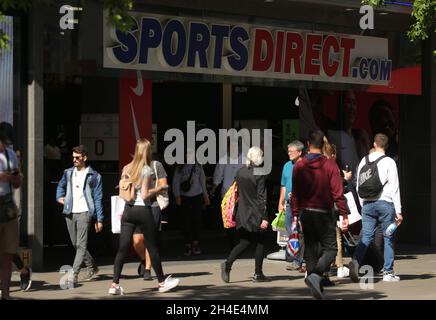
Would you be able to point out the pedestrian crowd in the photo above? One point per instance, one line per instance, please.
(312, 196)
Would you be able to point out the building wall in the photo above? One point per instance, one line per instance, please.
(6, 74)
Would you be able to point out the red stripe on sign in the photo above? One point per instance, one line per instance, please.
(135, 113)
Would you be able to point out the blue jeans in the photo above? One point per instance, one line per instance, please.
(288, 218)
(375, 213)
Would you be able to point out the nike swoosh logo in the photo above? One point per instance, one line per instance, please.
(135, 124)
(139, 90)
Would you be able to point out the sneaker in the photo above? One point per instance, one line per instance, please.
(141, 269)
(313, 281)
(390, 277)
(261, 278)
(26, 280)
(116, 290)
(188, 251)
(225, 272)
(147, 275)
(343, 272)
(168, 284)
(91, 273)
(164, 218)
(354, 270)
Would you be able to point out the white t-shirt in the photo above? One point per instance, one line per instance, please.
(78, 182)
(146, 172)
(13, 164)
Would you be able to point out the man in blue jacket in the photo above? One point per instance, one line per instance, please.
(80, 192)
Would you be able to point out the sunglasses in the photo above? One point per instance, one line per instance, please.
(77, 157)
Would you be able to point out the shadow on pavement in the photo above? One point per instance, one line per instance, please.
(232, 292)
(407, 277)
(406, 257)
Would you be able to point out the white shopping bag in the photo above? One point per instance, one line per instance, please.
(354, 215)
(117, 209)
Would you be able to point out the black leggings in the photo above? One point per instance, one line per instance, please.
(138, 216)
(257, 238)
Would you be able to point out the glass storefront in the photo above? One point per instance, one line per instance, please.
(86, 102)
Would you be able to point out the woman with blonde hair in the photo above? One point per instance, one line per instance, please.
(251, 216)
(138, 213)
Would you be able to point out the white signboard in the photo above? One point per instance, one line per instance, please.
(100, 134)
(193, 45)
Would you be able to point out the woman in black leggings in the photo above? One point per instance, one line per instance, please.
(138, 213)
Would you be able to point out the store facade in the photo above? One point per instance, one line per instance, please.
(251, 64)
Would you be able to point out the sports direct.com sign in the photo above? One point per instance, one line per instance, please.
(191, 45)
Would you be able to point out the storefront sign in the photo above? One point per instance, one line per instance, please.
(183, 44)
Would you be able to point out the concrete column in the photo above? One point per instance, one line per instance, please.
(227, 106)
(35, 134)
(430, 91)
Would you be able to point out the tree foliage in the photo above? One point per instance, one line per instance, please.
(4, 39)
(118, 13)
(424, 16)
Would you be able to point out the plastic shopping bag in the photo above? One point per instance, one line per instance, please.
(117, 209)
(293, 245)
(279, 223)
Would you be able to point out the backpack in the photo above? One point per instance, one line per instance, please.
(126, 188)
(369, 182)
(228, 205)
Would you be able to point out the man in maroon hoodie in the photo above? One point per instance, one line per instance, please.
(317, 186)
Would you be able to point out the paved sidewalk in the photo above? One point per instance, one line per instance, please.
(200, 279)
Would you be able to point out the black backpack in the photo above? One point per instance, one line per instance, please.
(369, 182)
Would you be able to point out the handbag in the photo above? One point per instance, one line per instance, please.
(228, 206)
(279, 223)
(162, 198)
(186, 185)
(8, 208)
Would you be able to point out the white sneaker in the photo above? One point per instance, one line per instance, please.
(116, 290)
(343, 272)
(168, 284)
(390, 277)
